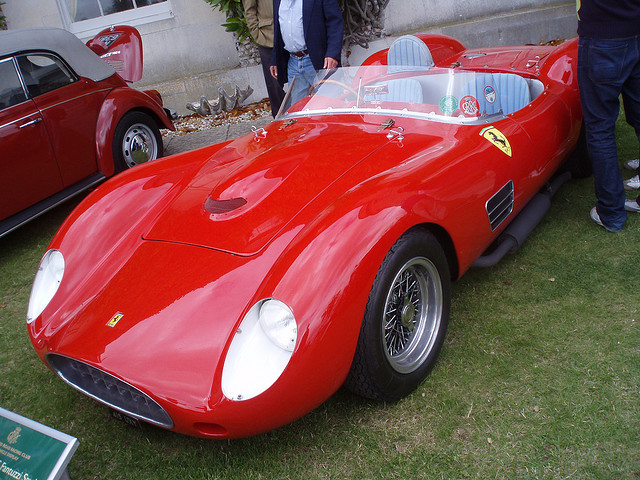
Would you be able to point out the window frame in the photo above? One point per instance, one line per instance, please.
(56, 59)
(137, 16)
(16, 70)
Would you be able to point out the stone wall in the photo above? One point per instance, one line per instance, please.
(190, 54)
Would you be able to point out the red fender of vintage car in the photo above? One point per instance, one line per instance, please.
(325, 198)
(115, 105)
(121, 47)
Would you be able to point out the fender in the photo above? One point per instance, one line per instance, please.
(329, 276)
(561, 64)
(115, 106)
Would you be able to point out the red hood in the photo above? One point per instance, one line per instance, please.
(121, 47)
(252, 188)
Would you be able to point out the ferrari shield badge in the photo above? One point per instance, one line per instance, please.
(498, 138)
(115, 319)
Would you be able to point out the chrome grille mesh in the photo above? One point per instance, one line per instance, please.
(500, 205)
(109, 390)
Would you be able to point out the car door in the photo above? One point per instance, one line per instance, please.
(28, 169)
(69, 106)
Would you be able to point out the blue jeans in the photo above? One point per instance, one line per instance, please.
(606, 69)
(302, 69)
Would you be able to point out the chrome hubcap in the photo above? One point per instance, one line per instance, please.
(139, 145)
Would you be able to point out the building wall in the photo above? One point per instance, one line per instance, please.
(190, 54)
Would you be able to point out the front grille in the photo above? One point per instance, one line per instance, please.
(109, 390)
(500, 205)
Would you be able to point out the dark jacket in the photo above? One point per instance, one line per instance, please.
(323, 27)
(608, 19)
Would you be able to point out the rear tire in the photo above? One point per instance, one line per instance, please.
(136, 140)
(579, 162)
(405, 320)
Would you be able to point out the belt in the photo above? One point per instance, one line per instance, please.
(300, 54)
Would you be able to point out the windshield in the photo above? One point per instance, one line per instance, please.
(440, 94)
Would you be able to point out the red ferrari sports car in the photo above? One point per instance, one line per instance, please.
(68, 119)
(230, 290)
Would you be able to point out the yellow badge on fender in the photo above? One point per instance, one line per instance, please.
(115, 319)
(496, 137)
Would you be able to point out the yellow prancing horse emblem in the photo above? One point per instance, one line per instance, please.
(115, 319)
(498, 138)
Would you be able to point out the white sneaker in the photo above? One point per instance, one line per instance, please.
(632, 164)
(595, 217)
(632, 184)
(632, 206)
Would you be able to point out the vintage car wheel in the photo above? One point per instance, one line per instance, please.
(578, 163)
(136, 140)
(405, 319)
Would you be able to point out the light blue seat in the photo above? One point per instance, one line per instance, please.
(497, 92)
(405, 90)
(408, 53)
(513, 90)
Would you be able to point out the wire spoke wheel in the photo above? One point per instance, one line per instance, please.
(405, 320)
(412, 314)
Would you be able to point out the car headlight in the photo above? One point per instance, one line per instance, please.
(46, 283)
(260, 350)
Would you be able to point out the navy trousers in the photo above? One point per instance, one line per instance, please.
(606, 70)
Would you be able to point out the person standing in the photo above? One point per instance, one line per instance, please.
(608, 66)
(307, 38)
(259, 16)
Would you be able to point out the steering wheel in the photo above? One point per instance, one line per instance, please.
(334, 82)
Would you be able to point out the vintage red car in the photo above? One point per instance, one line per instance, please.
(230, 290)
(68, 118)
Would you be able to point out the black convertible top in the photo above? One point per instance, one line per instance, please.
(80, 58)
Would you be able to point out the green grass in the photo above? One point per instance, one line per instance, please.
(539, 377)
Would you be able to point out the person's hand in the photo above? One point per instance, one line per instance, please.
(274, 71)
(330, 63)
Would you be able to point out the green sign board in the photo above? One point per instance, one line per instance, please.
(31, 451)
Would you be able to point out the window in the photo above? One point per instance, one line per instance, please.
(11, 92)
(43, 73)
(88, 17)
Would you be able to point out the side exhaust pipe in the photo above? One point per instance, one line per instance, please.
(521, 227)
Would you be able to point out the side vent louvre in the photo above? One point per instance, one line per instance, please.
(500, 205)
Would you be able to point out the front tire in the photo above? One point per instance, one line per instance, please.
(405, 320)
(136, 140)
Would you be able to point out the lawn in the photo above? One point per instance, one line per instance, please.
(539, 377)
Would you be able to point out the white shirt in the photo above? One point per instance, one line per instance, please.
(290, 18)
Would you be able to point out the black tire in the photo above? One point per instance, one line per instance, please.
(405, 320)
(136, 140)
(579, 162)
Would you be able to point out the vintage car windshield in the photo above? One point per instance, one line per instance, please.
(440, 94)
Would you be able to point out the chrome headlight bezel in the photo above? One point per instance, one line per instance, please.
(46, 283)
(260, 350)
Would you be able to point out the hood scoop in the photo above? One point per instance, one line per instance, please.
(214, 206)
(248, 193)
